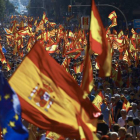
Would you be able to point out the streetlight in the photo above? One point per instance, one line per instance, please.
(108, 5)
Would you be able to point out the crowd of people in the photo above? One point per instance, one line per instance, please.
(121, 93)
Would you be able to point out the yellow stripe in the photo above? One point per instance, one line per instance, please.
(53, 135)
(81, 132)
(95, 29)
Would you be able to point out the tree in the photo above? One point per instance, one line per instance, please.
(58, 8)
(2, 9)
(9, 7)
(35, 8)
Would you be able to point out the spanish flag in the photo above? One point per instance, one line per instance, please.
(120, 34)
(99, 43)
(126, 104)
(98, 100)
(96, 32)
(66, 63)
(113, 17)
(50, 98)
(54, 136)
(87, 80)
(85, 135)
(78, 68)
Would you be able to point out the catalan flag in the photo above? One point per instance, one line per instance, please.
(50, 98)
(10, 113)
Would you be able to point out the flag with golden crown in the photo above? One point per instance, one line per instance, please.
(50, 98)
(98, 100)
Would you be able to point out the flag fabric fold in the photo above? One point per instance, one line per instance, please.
(98, 42)
(50, 98)
(87, 80)
(95, 36)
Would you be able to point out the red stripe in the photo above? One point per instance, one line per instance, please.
(83, 20)
(95, 46)
(86, 130)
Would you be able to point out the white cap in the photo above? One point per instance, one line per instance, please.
(116, 95)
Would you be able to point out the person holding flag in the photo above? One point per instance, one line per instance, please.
(105, 111)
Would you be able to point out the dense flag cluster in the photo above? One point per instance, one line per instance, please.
(49, 94)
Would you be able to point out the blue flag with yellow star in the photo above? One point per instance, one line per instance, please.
(10, 113)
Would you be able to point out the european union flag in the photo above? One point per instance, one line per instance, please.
(10, 113)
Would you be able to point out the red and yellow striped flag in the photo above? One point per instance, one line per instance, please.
(87, 80)
(66, 63)
(99, 43)
(50, 98)
(113, 17)
(120, 34)
(78, 68)
(54, 136)
(98, 100)
(96, 32)
(84, 131)
(126, 58)
(126, 105)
